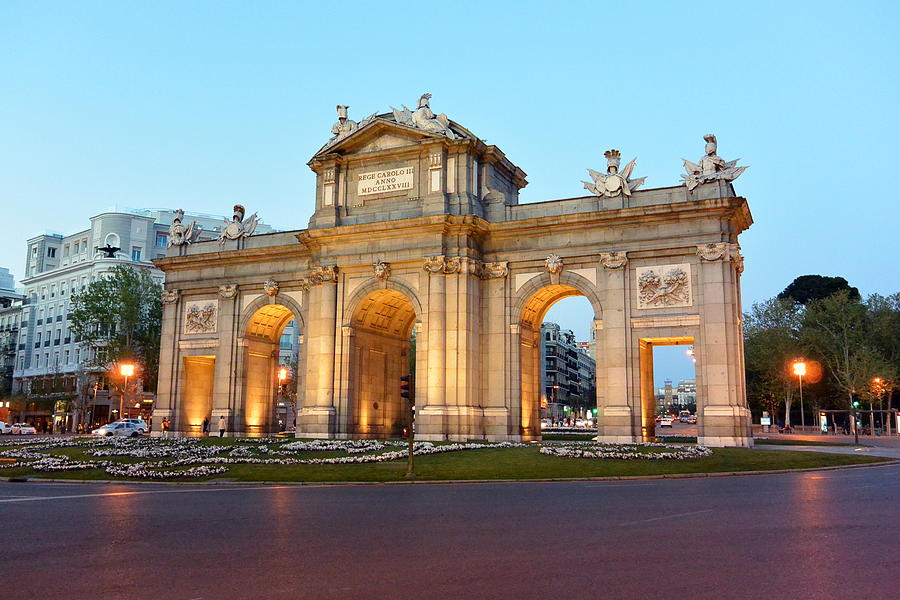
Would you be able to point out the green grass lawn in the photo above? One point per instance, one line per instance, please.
(502, 463)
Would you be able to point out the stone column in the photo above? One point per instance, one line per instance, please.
(168, 367)
(317, 416)
(225, 391)
(724, 415)
(615, 415)
(431, 407)
(494, 352)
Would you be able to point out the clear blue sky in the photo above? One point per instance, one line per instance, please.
(200, 105)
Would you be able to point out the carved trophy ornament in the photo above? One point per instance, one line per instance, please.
(200, 317)
(179, 235)
(237, 227)
(270, 287)
(613, 183)
(169, 296)
(423, 118)
(382, 270)
(711, 168)
(661, 286)
(613, 260)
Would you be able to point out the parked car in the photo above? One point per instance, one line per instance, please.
(692, 419)
(139, 423)
(5, 428)
(23, 429)
(667, 422)
(579, 422)
(546, 423)
(117, 428)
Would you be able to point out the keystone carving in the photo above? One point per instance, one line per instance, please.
(169, 296)
(554, 264)
(613, 260)
(270, 287)
(382, 270)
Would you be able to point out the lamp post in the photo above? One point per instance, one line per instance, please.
(800, 371)
(282, 376)
(126, 370)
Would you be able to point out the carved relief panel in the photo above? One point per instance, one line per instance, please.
(200, 316)
(664, 286)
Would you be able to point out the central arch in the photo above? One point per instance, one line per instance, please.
(381, 352)
(264, 350)
(534, 300)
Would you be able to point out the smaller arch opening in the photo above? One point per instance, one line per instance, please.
(268, 322)
(385, 312)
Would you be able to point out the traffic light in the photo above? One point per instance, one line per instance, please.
(404, 386)
(856, 404)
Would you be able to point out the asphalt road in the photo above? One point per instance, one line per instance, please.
(826, 534)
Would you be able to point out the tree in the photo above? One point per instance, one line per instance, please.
(839, 330)
(119, 316)
(808, 288)
(771, 342)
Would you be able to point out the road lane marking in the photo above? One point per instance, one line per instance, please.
(135, 493)
(687, 514)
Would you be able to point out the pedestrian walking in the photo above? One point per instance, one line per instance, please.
(165, 427)
(221, 425)
(205, 425)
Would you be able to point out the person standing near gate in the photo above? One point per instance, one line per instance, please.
(221, 425)
(205, 425)
(165, 427)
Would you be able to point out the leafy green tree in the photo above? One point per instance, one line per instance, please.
(839, 330)
(771, 342)
(120, 316)
(808, 288)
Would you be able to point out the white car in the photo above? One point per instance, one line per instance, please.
(118, 428)
(23, 429)
(667, 422)
(5, 428)
(139, 423)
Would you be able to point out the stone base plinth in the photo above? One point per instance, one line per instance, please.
(316, 422)
(725, 441)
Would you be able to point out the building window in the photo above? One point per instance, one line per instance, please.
(135, 254)
(161, 240)
(51, 252)
(66, 250)
(77, 355)
(34, 251)
(76, 248)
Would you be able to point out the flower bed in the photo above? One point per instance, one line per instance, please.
(652, 451)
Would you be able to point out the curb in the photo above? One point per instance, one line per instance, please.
(225, 482)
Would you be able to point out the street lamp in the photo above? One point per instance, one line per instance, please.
(126, 370)
(800, 371)
(282, 376)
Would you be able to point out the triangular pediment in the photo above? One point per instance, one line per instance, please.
(378, 134)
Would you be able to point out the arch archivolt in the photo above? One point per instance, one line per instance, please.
(266, 316)
(533, 300)
(384, 307)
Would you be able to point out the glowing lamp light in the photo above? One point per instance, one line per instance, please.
(282, 373)
(799, 368)
(126, 370)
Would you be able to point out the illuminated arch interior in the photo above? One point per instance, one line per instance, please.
(386, 312)
(268, 322)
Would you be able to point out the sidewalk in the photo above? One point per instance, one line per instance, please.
(886, 452)
(880, 441)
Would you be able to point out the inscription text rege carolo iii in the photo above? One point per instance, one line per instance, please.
(378, 182)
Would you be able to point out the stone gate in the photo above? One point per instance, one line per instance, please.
(420, 260)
